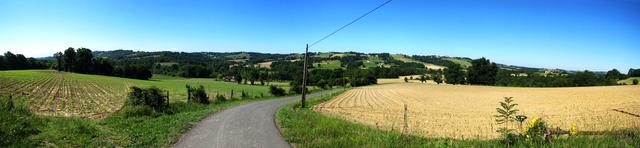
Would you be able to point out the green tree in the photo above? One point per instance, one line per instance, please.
(263, 77)
(69, 59)
(59, 61)
(482, 72)
(11, 60)
(633, 72)
(422, 78)
(454, 74)
(2, 65)
(83, 62)
(613, 74)
(438, 78)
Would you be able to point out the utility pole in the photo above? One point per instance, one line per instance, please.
(304, 77)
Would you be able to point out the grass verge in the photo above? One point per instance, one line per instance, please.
(307, 128)
(133, 126)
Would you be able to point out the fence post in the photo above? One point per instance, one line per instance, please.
(167, 99)
(406, 125)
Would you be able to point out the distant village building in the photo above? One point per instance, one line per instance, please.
(229, 78)
(519, 75)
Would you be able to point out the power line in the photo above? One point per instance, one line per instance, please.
(334, 32)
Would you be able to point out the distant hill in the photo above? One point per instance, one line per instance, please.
(318, 58)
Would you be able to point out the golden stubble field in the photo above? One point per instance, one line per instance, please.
(464, 112)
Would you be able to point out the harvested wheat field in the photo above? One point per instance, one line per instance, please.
(466, 112)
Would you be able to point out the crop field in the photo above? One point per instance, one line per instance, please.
(70, 94)
(466, 112)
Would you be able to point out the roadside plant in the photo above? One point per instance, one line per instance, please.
(276, 91)
(506, 114)
(573, 130)
(197, 95)
(152, 97)
(538, 132)
(220, 98)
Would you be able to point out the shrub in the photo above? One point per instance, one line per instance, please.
(152, 97)
(220, 98)
(276, 91)
(635, 81)
(197, 95)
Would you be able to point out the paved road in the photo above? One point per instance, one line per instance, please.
(248, 125)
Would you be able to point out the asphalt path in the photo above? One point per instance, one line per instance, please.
(247, 125)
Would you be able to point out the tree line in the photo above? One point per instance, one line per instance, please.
(81, 60)
(485, 72)
(10, 61)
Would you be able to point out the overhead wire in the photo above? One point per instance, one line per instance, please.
(344, 26)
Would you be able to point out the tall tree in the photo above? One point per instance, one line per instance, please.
(632, 72)
(69, 59)
(59, 61)
(11, 60)
(103, 66)
(613, 74)
(454, 74)
(482, 72)
(2, 63)
(21, 62)
(83, 60)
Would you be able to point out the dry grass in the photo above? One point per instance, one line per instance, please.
(266, 65)
(467, 111)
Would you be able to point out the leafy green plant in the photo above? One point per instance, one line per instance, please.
(506, 114)
(197, 95)
(152, 97)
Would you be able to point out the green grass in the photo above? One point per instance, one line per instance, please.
(307, 128)
(333, 64)
(464, 63)
(628, 81)
(403, 58)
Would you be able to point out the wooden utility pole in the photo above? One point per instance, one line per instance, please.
(304, 77)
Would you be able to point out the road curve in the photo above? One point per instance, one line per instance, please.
(247, 125)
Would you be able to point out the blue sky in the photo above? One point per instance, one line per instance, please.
(575, 34)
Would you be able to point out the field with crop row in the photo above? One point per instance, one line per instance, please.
(55, 93)
(58, 93)
(467, 111)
